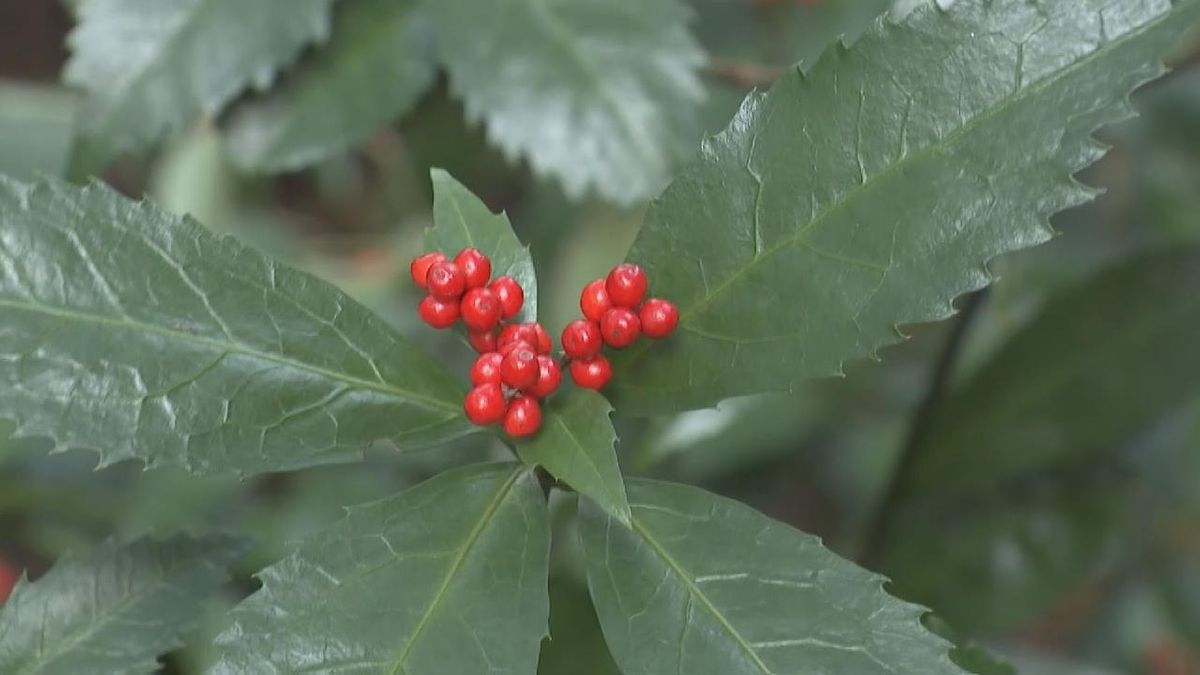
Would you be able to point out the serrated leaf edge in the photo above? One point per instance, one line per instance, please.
(1080, 193)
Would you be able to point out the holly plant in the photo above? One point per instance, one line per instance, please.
(871, 186)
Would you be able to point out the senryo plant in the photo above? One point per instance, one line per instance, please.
(865, 190)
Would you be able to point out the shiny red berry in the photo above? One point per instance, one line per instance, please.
(487, 369)
(595, 301)
(485, 404)
(480, 309)
(510, 294)
(626, 285)
(659, 318)
(519, 369)
(446, 281)
(544, 344)
(581, 339)
(549, 378)
(506, 349)
(620, 327)
(441, 315)
(524, 417)
(482, 341)
(419, 269)
(475, 266)
(518, 332)
(591, 373)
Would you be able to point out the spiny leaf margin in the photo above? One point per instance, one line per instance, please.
(601, 95)
(447, 576)
(791, 170)
(136, 94)
(705, 585)
(115, 609)
(144, 336)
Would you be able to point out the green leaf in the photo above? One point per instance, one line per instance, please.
(873, 190)
(447, 577)
(602, 95)
(114, 610)
(375, 67)
(705, 585)
(1098, 364)
(145, 336)
(151, 67)
(461, 220)
(576, 446)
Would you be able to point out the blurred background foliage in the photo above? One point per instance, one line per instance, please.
(1061, 532)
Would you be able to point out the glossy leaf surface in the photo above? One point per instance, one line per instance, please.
(114, 610)
(576, 446)
(152, 67)
(144, 336)
(461, 220)
(377, 64)
(447, 577)
(874, 190)
(600, 94)
(707, 586)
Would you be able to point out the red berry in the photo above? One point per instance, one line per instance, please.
(544, 344)
(419, 269)
(595, 301)
(446, 281)
(519, 369)
(549, 377)
(485, 404)
(524, 417)
(591, 373)
(620, 327)
(581, 339)
(518, 332)
(487, 369)
(441, 315)
(510, 294)
(482, 341)
(626, 285)
(476, 267)
(505, 350)
(480, 309)
(659, 318)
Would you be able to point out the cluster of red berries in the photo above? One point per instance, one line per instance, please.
(614, 315)
(515, 369)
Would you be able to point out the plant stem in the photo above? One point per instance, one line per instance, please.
(879, 527)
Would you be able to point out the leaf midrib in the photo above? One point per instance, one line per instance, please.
(562, 34)
(1021, 96)
(462, 222)
(619, 498)
(231, 348)
(695, 592)
(459, 560)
